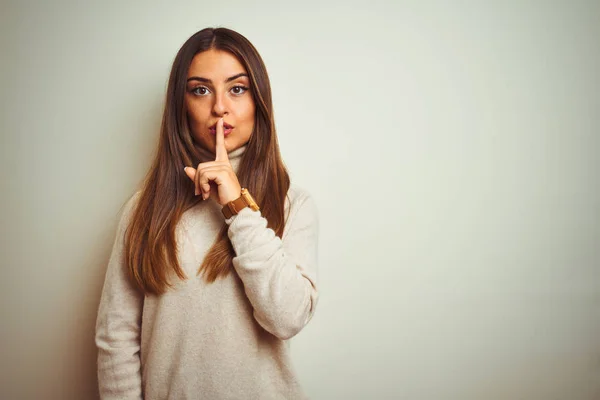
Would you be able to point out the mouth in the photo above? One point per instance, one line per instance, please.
(225, 126)
(226, 129)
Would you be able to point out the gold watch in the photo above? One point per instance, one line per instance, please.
(245, 200)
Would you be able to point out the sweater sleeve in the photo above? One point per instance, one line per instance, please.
(118, 326)
(279, 275)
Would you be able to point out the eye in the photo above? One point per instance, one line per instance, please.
(200, 91)
(239, 90)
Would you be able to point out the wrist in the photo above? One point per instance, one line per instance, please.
(245, 200)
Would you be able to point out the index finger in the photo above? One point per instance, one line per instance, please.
(220, 150)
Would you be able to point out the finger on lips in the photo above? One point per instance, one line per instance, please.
(220, 150)
(200, 178)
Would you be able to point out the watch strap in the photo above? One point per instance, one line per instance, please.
(233, 207)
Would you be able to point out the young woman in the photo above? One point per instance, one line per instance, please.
(214, 263)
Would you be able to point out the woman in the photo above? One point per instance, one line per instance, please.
(214, 265)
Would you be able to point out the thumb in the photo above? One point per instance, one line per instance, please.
(190, 172)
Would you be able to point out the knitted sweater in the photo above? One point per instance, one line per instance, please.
(223, 340)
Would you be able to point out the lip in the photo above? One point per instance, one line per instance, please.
(225, 126)
(226, 131)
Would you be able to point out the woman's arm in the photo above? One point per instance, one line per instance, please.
(118, 326)
(279, 275)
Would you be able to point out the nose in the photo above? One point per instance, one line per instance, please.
(220, 106)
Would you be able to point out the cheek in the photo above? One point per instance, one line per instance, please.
(249, 113)
(195, 113)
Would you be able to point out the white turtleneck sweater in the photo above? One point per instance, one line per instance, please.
(224, 340)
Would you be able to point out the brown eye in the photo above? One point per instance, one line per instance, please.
(238, 90)
(200, 91)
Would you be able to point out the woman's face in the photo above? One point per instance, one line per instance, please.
(218, 86)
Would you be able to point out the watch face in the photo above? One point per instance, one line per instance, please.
(249, 200)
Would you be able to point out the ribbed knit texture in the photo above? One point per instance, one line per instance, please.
(224, 340)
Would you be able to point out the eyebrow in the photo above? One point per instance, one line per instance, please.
(231, 78)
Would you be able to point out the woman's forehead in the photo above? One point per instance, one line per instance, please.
(215, 65)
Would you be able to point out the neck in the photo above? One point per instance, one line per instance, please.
(235, 156)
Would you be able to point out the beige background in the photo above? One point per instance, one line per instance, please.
(452, 149)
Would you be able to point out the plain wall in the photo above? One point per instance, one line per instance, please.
(452, 149)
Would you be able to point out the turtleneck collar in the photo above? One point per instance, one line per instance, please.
(235, 156)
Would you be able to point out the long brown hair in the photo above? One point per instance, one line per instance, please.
(166, 193)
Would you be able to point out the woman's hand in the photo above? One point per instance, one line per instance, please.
(219, 171)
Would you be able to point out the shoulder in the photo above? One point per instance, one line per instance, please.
(300, 204)
(299, 197)
(131, 203)
(128, 208)
(297, 194)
